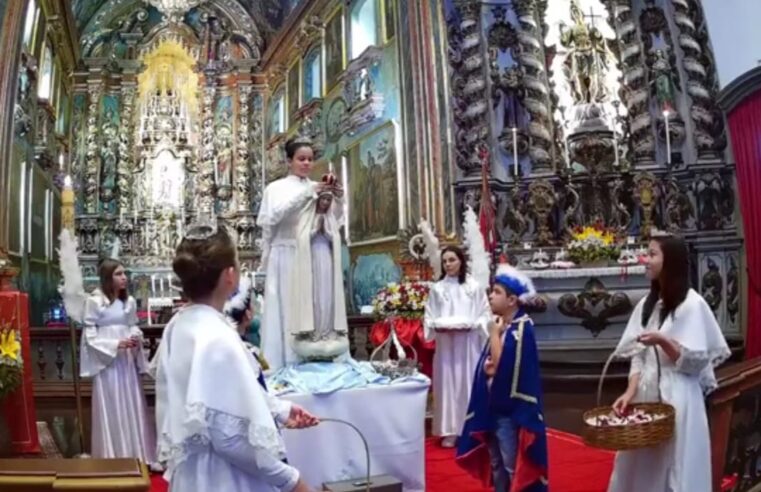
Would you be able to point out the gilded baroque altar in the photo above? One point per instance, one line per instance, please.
(167, 132)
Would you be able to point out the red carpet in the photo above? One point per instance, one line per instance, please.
(573, 468)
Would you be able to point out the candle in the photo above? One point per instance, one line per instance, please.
(515, 151)
(121, 215)
(615, 149)
(216, 171)
(668, 137)
(153, 284)
(330, 167)
(567, 155)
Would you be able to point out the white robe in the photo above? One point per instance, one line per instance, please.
(684, 463)
(457, 317)
(217, 425)
(283, 204)
(120, 424)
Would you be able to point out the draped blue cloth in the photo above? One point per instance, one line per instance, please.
(320, 378)
(516, 393)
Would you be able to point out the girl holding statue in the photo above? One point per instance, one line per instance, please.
(300, 220)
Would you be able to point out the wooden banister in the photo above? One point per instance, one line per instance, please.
(737, 383)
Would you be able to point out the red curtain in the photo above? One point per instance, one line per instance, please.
(745, 126)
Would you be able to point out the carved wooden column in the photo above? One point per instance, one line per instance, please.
(636, 97)
(537, 100)
(242, 189)
(206, 186)
(708, 130)
(125, 168)
(10, 41)
(92, 157)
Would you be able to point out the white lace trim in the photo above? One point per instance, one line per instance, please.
(199, 419)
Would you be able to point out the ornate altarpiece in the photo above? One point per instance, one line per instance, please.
(166, 130)
(595, 110)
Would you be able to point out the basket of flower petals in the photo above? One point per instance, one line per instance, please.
(643, 425)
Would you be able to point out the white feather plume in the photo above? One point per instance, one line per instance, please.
(479, 260)
(238, 301)
(432, 247)
(73, 289)
(525, 280)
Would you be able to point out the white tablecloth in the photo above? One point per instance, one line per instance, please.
(392, 419)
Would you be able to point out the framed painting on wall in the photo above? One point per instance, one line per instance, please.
(334, 48)
(372, 267)
(373, 182)
(294, 85)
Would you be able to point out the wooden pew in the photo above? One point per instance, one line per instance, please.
(73, 475)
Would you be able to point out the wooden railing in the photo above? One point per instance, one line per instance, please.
(52, 356)
(734, 412)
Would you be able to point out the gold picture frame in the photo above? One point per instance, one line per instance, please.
(335, 48)
(376, 210)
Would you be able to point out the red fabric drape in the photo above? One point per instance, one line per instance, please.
(745, 126)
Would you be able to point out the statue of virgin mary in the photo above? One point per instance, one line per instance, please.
(318, 328)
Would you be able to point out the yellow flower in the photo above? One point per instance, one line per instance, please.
(9, 345)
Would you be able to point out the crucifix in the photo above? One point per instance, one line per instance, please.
(592, 16)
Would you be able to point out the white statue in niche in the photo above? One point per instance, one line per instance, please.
(167, 179)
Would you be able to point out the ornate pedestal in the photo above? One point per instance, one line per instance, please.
(19, 406)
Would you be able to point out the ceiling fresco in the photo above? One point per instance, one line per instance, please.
(269, 14)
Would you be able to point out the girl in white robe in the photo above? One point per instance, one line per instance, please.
(457, 314)
(283, 203)
(676, 325)
(217, 425)
(112, 354)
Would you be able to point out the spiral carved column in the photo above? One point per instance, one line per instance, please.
(537, 99)
(92, 155)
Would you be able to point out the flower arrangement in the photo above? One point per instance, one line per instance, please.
(594, 243)
(406, 299)
(11, 364)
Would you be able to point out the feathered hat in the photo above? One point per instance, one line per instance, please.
(515, 281)
(237, 305)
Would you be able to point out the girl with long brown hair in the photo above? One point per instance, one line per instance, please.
(112, 354)
(672, 331)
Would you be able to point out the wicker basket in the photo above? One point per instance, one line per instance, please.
(632, 436)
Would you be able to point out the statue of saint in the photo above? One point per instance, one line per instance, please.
(586, 64)
(663, 81)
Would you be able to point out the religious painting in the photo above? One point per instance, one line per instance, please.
(334, 48)
(293, 86)
(277, 113)
(372, 271)
(389, 19)
(373, 187)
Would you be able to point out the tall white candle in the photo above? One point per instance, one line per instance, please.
(121, 215)
(668, 137)
(615, 149)
(515, 151)
(216, 172)
(153, 284)
(567, 154)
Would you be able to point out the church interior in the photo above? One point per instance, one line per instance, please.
(560, 136)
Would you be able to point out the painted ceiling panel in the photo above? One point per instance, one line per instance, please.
(274, 11)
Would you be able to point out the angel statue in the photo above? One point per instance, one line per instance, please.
(586, 64)
(112, 354)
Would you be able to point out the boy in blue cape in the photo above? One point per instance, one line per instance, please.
(503, 441)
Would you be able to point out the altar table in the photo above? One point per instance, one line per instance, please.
(392, 419)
